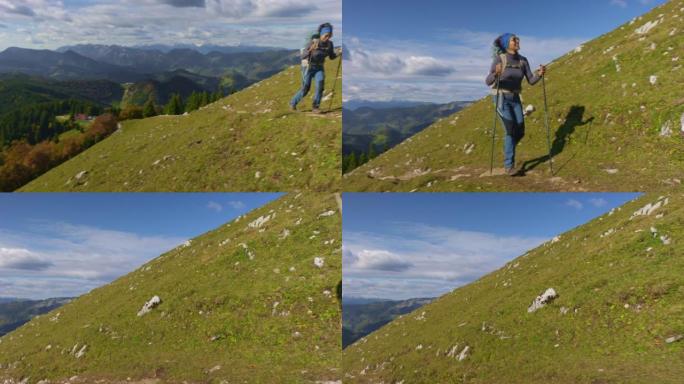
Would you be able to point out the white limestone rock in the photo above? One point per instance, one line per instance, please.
(543, 299)
(644, 29)
(153, 302)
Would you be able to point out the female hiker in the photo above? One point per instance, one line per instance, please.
(313, 58)
(506, 75)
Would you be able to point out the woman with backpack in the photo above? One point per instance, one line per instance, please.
(313, 58)
(505, 77)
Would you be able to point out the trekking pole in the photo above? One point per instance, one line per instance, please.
(496, 107)
(337, 73)
(546, 122)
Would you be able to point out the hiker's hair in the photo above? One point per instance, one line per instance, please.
(320, 27)
(497, 47)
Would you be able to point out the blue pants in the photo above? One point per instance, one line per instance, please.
(511, 113)
(317, 74)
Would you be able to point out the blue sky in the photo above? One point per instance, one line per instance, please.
(53, 23)
(56, 244)
(400, 246)
(439, 51)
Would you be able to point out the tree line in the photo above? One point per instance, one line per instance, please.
(354, 160)
(39, 122)
(175, 106)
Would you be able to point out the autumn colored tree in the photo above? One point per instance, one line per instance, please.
(22, 162)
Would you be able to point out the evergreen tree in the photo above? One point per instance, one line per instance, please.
(43, 126)
(371, 151)
(204, 99)
(351, 162)
(174, 106)
(192, 102)
(363, 159)
(148, 109)
(216, 96)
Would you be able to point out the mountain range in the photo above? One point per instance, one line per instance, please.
(386, 126)
(16, 312)
(128, 64)
(353, 104)
(363, 316)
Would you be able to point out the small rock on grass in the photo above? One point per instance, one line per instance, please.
(674, 339)
(543, 299)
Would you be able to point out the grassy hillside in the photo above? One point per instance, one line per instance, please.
(616, 318)
(244, 303)
(605, 120)
(247, 141)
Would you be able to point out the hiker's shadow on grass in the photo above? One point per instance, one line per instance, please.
(572, 120)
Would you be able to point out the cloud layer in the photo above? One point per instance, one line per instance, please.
(69, 260)
(451, 67)
(50, 23)
(417, 260)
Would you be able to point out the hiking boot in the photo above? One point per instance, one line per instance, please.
(510, 171)
(293, 107)
(315, 110)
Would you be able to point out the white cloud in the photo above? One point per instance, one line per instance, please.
(393, 64)
(282, 23)
(72, 259)
(427, 66)
(598, 202)
(413, 260)
(619, 3)
(379, 260)
(184, 3)
(236, 204)
(214, 206)
(19, 258)
(574, 204)
(396, 288)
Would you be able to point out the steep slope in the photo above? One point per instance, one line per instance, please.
(605, 117)
(617, 318)
(18, 312)
(247, 141)
(249, 302)
(358, 320)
